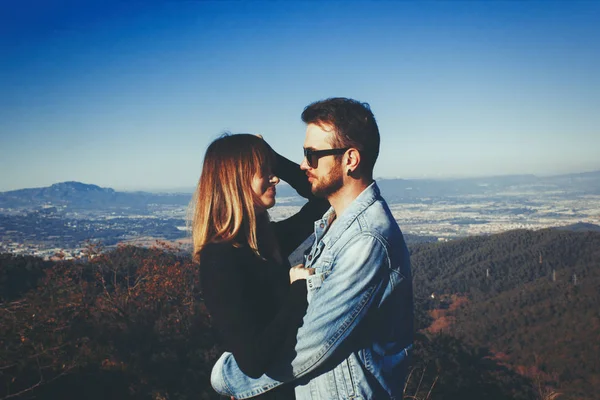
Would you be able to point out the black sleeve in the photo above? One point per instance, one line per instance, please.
(226, 293)
(291, 232)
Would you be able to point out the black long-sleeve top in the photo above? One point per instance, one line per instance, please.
(251, 302)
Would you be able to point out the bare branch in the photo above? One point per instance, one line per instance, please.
(432, 386)
(421, 381)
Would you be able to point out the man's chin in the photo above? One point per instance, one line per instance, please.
(313, 188)
(318, 192)
(326, 189)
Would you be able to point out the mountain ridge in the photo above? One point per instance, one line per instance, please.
(78, 195)
(498, 179)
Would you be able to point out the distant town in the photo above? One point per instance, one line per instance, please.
(455, 217)
(46, 233)
(61, 220)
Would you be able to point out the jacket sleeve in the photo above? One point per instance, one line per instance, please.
(335, 310)
(291, 232)
(253, 344)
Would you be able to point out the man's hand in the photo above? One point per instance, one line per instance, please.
(299, 272)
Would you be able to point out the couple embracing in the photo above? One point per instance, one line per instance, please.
(338, 326)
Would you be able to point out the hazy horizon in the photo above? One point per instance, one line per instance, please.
(190, 189)
(128, 95)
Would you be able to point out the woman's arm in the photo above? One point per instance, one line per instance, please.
(226, 291)
(291, 232)
(290, 172)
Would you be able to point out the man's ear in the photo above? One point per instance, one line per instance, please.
(352, 160)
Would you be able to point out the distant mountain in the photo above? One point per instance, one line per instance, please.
(60, 193)
(398, 190)
(406, 190)
(77, 195)
(580, 227)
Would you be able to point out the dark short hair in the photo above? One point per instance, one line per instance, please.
(354, 126)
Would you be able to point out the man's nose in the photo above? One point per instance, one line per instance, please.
(274, 180)
(304, 165)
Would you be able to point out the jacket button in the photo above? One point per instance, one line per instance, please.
(322, 226)
(310, 257)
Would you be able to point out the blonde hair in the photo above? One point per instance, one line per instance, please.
(223, 206)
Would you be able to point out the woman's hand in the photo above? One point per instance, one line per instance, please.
(299, 272)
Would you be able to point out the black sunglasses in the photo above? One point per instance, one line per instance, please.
(312, 156)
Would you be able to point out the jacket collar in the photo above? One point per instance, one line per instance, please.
(342, 222)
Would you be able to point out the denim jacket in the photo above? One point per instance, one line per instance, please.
(358, 330)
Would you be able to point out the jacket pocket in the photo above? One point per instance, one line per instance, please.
(348, 379)
(344, 381)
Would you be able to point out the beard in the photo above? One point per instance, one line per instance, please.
(330, 183)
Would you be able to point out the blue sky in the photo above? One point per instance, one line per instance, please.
(129, 94)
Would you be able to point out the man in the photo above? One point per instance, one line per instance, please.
(358, 328)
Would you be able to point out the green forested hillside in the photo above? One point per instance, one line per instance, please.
(512, 259)
(554, 327)
(537, 309)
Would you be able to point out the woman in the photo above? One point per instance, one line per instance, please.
(255, 299)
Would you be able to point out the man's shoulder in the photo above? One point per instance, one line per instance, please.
(378, 220)
(368, 216)
(373, 222)
(374, 214)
